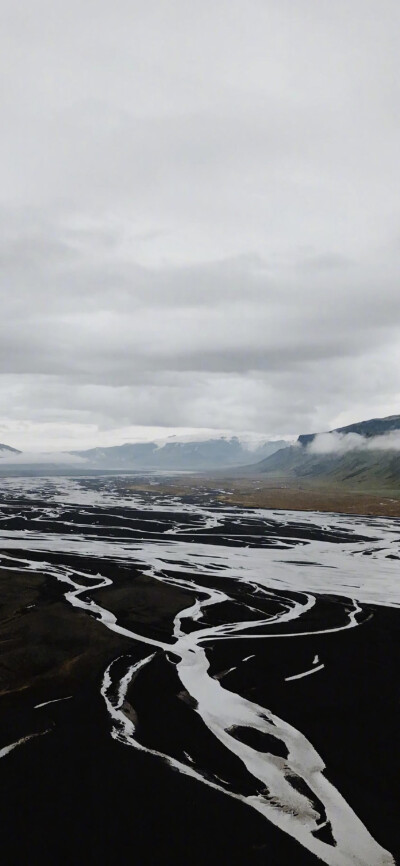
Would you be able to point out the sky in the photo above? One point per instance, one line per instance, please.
(199, 218)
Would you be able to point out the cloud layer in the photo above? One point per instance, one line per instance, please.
(199, 217)
(41, 458)
(342, 443)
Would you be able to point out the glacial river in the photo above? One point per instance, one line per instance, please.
(272, 594)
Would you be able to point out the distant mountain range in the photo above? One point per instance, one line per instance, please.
(202, 455)
(366, 453)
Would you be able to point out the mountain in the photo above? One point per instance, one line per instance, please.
(6, 449)
(366, 459)
(378, 468)
(202, 455)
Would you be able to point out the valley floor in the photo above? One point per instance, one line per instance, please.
(182, 681)
(259, 492)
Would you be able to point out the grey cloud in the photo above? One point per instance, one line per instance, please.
(198, 214)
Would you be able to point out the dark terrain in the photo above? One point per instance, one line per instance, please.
(75, 794)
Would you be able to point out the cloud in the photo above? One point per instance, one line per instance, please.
(39, 459)
(199, 225)
(342, 443)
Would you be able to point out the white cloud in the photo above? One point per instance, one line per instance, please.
(342, 443)
(38, 458)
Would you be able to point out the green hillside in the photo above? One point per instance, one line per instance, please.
(372, 469)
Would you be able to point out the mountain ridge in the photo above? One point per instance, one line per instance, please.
(221, 452)
(357, 465)
(197, 455)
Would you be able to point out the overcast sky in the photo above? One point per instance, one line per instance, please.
(199, 217)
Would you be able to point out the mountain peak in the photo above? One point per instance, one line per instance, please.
(8, 449)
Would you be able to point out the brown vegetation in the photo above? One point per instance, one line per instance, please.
(259, 492)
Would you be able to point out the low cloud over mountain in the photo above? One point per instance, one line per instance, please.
(343, 443)
(364, 453)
